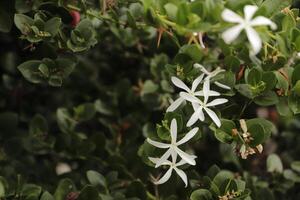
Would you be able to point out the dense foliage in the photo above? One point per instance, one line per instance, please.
(89, 90)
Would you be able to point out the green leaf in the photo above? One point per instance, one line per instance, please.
(30, 71)
(274, 164)
(55, 81)
(296, 74)
(38, 125)
(258, 134)
(269, 79)
(201, 194)
(296, 88)
(89, 192)
(149, 87)
(85, 112)
(47, 196)
(245, 90)
(233, 63)
(254, 77)
(296, 166)
(64, 187)
(52, 26)
(267, 99)
(96, 178)
(23, 23)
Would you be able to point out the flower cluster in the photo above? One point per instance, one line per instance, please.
(201, 99)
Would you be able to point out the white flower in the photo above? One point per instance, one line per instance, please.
(199, 106)
(173, 166)
(246, 23)
(178, 83)
(212, 74)
(173, 149)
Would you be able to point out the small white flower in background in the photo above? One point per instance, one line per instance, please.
(199, 105)
(173, 149)
(210, 75)
(247, 24)
(172, 166)
(62, 168)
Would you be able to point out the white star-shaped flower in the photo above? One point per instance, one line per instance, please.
(173, 149)
(199, 106)
(178, 83)
(210, 75)
(247, 24)
(173, 166)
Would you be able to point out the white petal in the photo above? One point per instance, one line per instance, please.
(165, 178)
(202, 69)
(173, 130)
(249, 11)
(196, 82)
(175, 104)
(230, 16)
(232, 33)
(188, 136)
(183, 162)
(176, 81)
(211, 93)
(213, 116)
(195, 116)
(206, 89)
(260, 21)
(222, 86)
(216, 102)
(189, 97)
(163, 158)
(155, 160)
(188, 158)
(182, 175)
(254, 39)
(158, 144)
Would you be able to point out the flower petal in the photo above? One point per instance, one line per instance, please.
(216, 102)
(213, 116)
(175, 104)
(176, 81)
(163, 158)
(188, 158)
(188, 136)
(173, 130)
(202, 69)
(183, 162)
(189, 97)
(232, 33)
(158, 144)
(249, 11)
(165, 177)
(206, 89)
(211, 93)
(182, 175)
(196, 82)
(155, 160)
(260, 21)
(254, 39)
(222, 86)
(230, 16)
(195, 116)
